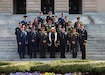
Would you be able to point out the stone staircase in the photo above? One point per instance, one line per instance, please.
(8, 45)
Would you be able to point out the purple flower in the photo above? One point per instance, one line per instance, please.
(18, 73)
(68, 74)
(12, 74)
(36, 73)
(26, 73)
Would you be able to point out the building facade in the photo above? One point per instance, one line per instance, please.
(67, 6)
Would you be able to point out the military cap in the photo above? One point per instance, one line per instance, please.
(50, 11)
(25, 16)
(69, 22)
(78, 17)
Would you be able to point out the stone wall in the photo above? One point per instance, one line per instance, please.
(33, 6)
(101, 6)
(5, 6)
(61, 5)
(89, 5)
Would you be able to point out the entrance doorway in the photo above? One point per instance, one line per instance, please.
(19, 6)
(75, 6)
(47, 5)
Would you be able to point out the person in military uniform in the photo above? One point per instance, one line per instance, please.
(17, 30)
(49, 16)
(83, 40)
(66, 20)
(30, 25)
(74, 43)
(40, 17)
(33, 38)
(63, 40)
(43, 38)
(39, 27)
(78, 22)
(69, 27)
(27, 44)
(44, 23)
(25, 21)
(59, 29)
(49, 25)
(61, 19)
(55, 21)
(22, 40)
(52, 42)
(69, 31)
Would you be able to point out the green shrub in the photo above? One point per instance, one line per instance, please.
(4, 63)
(59, 66)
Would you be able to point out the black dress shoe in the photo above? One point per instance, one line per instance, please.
(30, 57)
(34, 57)
(23, 57)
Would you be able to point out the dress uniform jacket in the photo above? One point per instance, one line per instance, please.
(40, 19)
(24, 22)
(49, 18)
(74, 46)
(76, 23)
(61, 21)
(63, 40)
(33, 38)
(43, 38)
(22, 38)
(83, 39)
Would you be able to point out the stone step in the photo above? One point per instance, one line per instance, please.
(14, 42)
(57, 53)
(96, 57)
(9, 50)
(95, 50)
(15, 49)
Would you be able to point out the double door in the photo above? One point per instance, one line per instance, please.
(47, 5)
(75, 6)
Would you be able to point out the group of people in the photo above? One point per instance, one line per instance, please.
(51, 34)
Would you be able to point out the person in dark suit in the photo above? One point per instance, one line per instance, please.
(74, 42)
(83, 40)
(33, 38)
(52, 42)
(22, 40)
(43, 38)
(63, 40)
